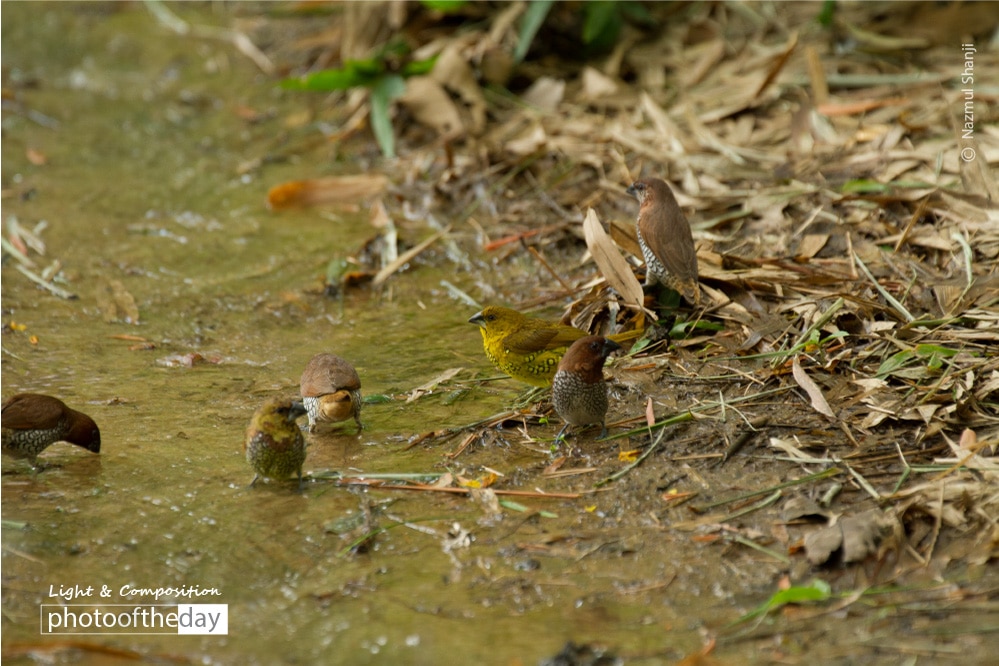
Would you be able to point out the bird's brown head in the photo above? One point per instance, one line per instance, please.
(652, 191)
(83, 431)
(497, 321)
(328, 373)
(586, 357)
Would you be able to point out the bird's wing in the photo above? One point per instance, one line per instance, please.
(533, 340)
(23, 412)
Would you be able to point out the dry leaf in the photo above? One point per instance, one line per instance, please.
(426, 99)
(819, 402)
(611, 262)
(329, 190)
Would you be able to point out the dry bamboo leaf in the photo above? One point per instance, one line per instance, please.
(453, 71)
(596, 85)
(855, 538)
(431, 106)
(546, 93)
(611, 262)
(819, 402)
(329, 190)
(529, 142)
(811, 245)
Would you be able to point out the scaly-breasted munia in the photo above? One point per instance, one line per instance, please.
(579, 392)
(31, 422)
(331, 390)
(665, 238)
(526, 348)
(274, 445)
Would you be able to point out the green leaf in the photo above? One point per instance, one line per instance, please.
(894, 363)
(328, 79)
(419, 67)
(818, 590)
(936, 350)
(353, 74)
(685, 328)
(864, 186)
(444, 6)
(825, 17)
(386, 89)
(600, 16)
(534, 17)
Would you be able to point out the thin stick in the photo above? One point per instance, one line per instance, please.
(544, 262)
(818, 476)
(881, 290)
(655, 445)
(463, 491)
(37, 279)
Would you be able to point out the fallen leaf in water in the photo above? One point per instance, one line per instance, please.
(330, 190)
(852, 539)
(36, 156)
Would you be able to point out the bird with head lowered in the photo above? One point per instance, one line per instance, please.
(32, 422)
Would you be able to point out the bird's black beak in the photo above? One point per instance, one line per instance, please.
(631, 190)
(297, 409)
(610, 346)
(477, 319)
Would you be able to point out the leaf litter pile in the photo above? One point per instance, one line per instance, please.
(833, 401)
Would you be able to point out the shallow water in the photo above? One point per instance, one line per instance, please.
(142, 186)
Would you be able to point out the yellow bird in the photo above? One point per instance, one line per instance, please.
(526, 348)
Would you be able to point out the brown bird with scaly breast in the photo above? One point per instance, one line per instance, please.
(274, 445)
(527, 348)
(579, 392)
(665, 238)
(331, 391)
(31, 422)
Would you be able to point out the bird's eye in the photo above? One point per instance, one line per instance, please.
(491, 317)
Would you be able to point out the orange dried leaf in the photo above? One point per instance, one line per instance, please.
(330, 190)
(36, 157)
(628, 456)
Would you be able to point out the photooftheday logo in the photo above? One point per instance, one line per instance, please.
(106, 619)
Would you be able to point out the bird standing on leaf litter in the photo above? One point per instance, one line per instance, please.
(331, 390)
(274, 445)
(579, 392)
(526, 348)
(665, 238)
(31, 422)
